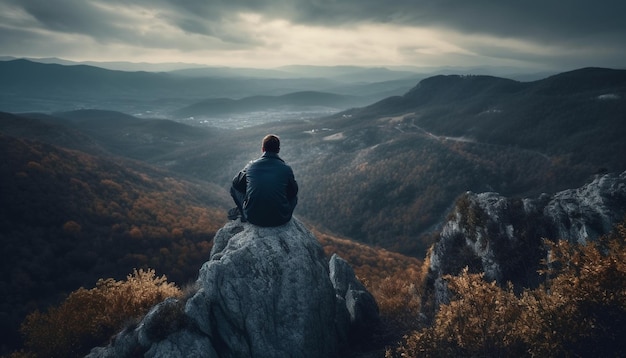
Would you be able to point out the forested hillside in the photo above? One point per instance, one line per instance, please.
(579, 114)
(405, 159)
(69, 218)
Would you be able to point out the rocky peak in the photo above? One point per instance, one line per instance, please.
(502, 237)
(588, 212)
(265, 292)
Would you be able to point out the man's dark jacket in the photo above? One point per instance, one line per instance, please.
(270, 190)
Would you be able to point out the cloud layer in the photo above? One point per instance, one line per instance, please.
(261, 33)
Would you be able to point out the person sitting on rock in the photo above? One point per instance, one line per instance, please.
(265, 191)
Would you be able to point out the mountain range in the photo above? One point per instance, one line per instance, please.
(386, 174)
(48, 87)
(403, 160)
(289, 102)
(346, 73)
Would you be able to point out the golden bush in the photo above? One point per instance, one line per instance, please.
(399, 299)
(89, 317)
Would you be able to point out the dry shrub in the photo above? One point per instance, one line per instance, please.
(578, 311)
(399, 299)
(480, 318)
(582, 308)
(88, 318)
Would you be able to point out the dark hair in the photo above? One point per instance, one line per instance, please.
(271, 143)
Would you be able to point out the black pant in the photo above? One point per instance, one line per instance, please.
(238, 197)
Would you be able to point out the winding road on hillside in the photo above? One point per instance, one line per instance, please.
(401, 123)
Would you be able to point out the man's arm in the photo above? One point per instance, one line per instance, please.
(240, 181)
(292, 187)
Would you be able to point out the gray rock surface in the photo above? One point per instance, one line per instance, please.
(502, 237)
(588, 212)
(354, 301)
(265, 292)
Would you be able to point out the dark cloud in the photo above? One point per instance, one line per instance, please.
(596, 25)
(530, 19)
(70, 16)
(552, 19)
(538, 20)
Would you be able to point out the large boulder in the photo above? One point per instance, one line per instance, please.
(265, 292)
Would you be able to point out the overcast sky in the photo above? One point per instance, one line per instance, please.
(539, 34)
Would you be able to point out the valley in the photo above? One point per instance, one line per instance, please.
(256, 118)
(386, 173)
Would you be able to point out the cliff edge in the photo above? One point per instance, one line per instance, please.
(503, 237)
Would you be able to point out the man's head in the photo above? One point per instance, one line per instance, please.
(271, 143)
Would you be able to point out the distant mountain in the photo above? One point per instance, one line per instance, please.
(377, 90)
(234, 72)
(549, 115)
(134, 137)
(342, 73)
(101, 132)
(350, 73)
(47, 129)
(38, 87)
(292, 101)
(113, 65)
(24, 74)
(30, 86)
(346, 73)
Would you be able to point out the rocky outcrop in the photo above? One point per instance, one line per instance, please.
(265, 292)
(502, 237)
(357, 311)
(588, 212)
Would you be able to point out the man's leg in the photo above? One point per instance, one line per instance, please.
(238, 198)
(293, 202)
